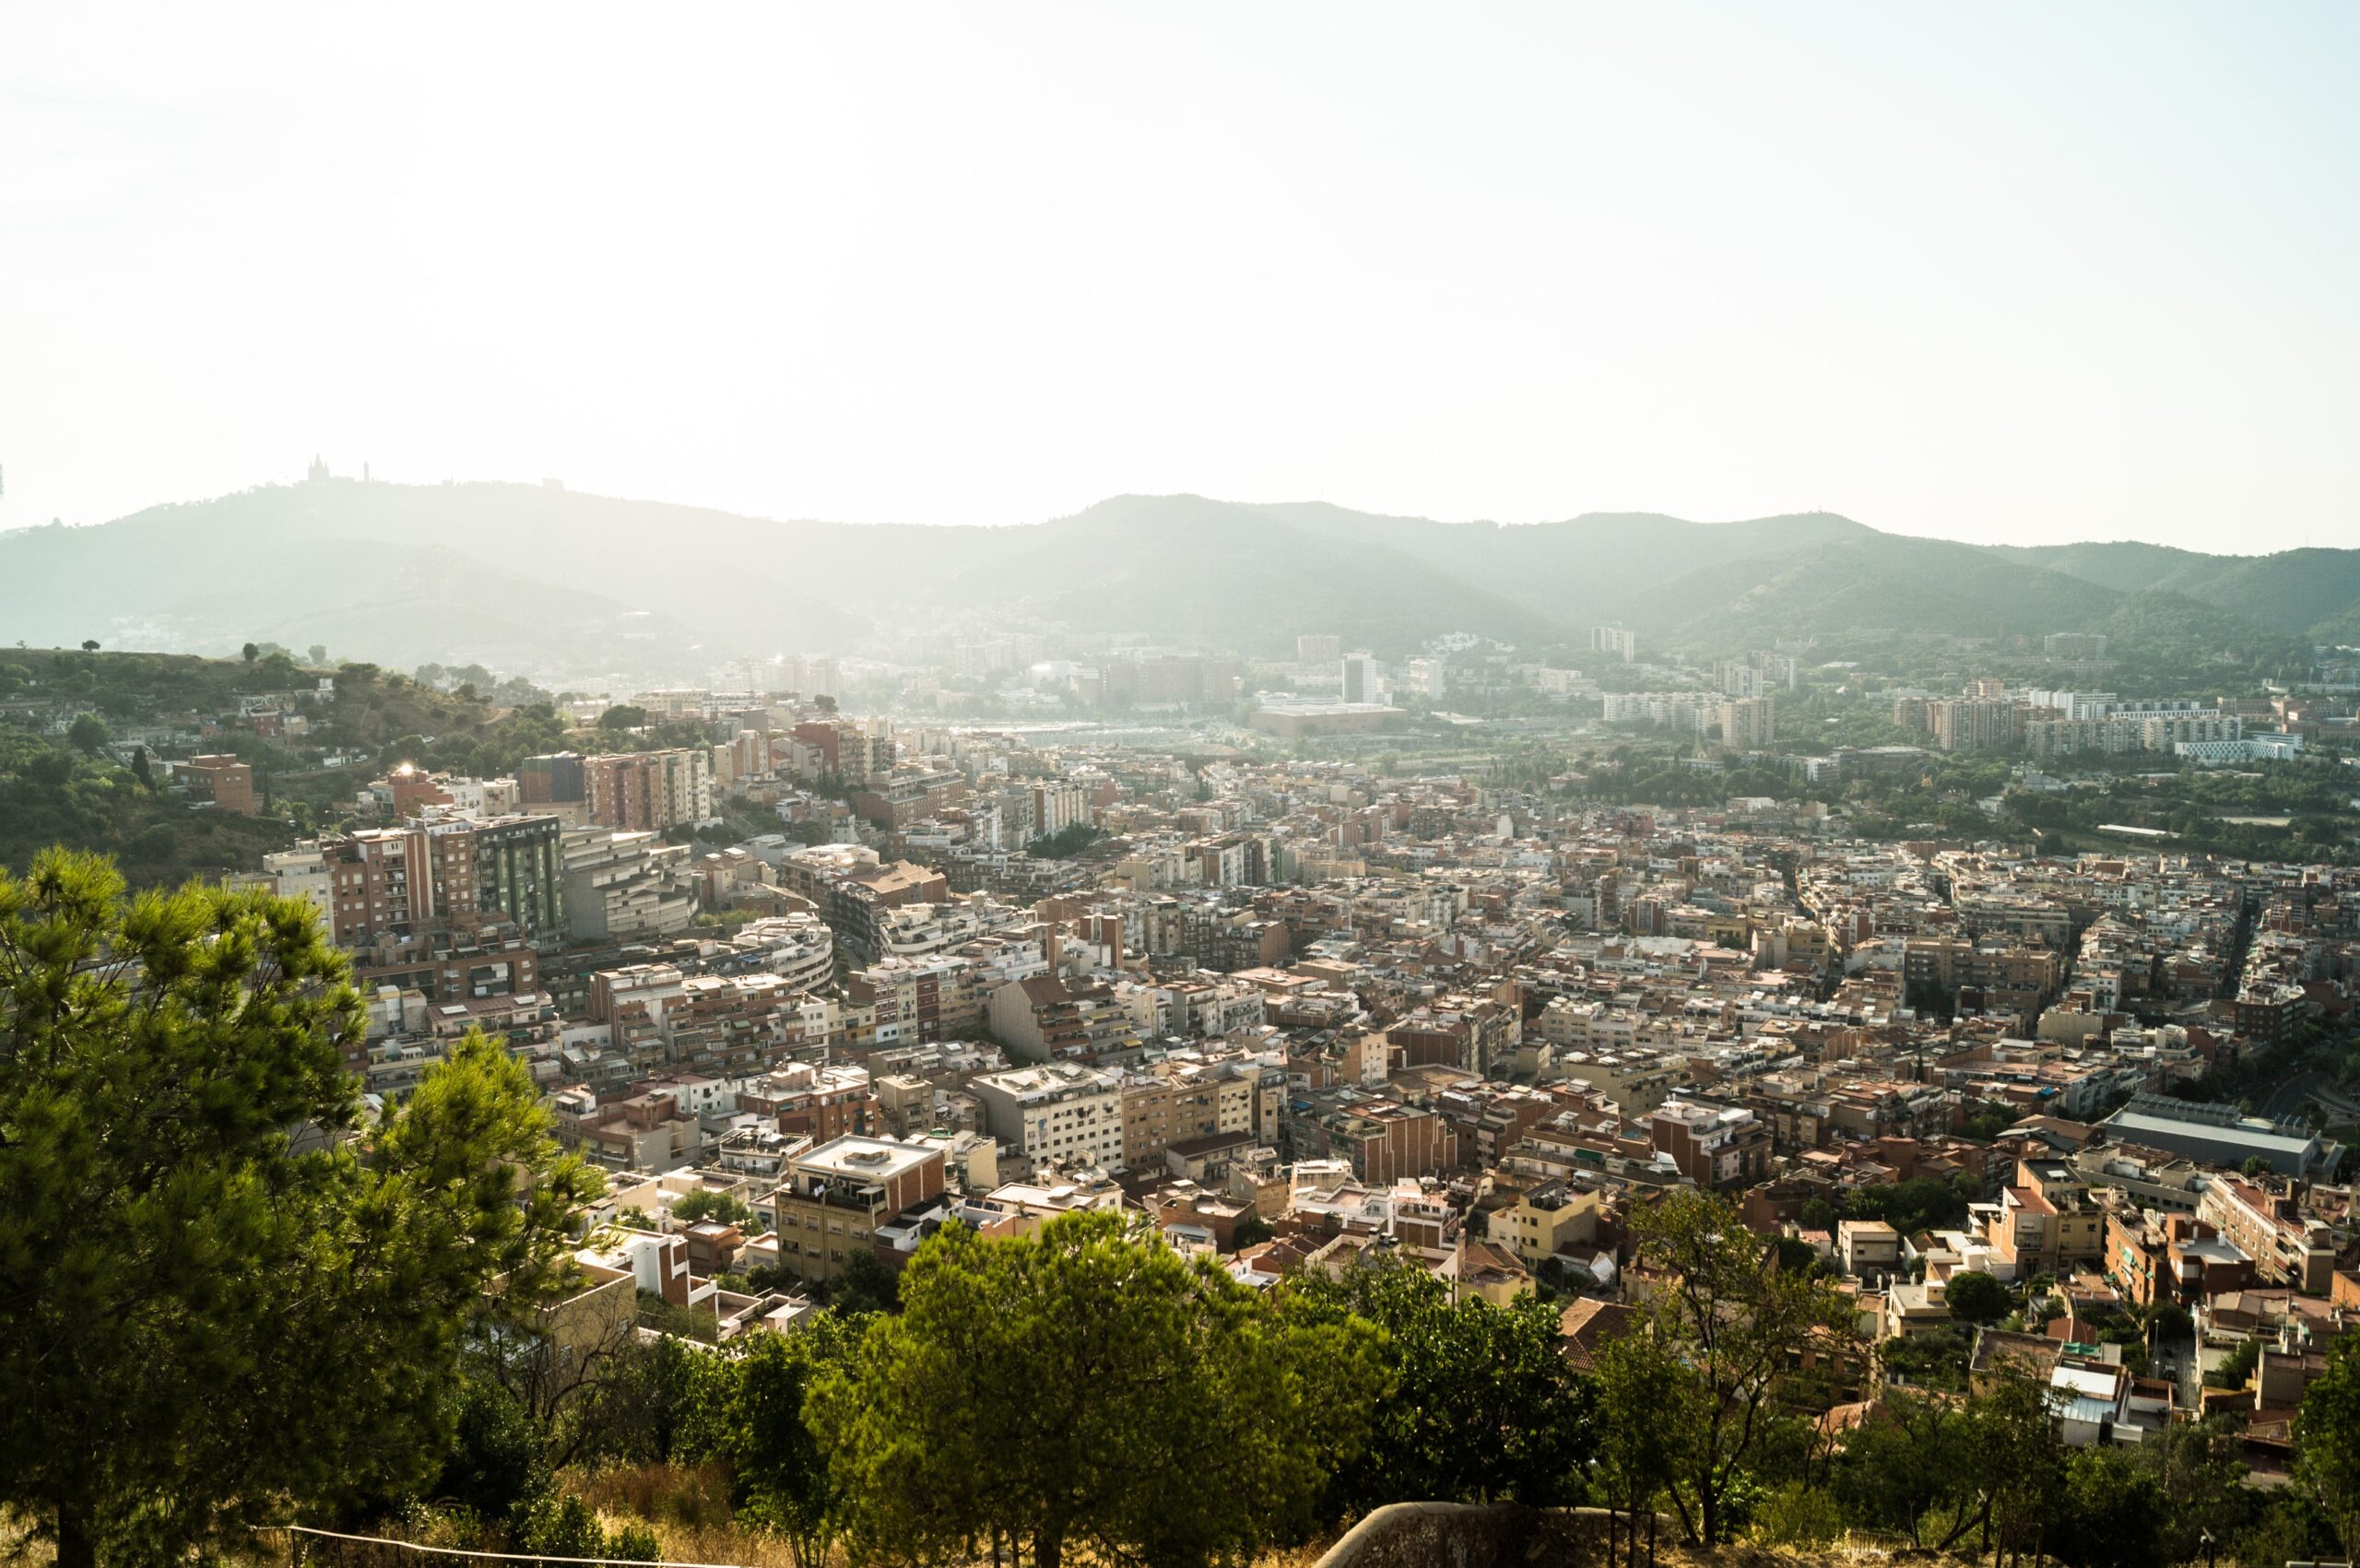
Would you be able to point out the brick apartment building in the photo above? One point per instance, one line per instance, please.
(649, 790)
(837, 1195)
(2265, 1221)
(222, 780)
(1383, 1139)
(409, 880)
(1723, 1146)
(937, 996)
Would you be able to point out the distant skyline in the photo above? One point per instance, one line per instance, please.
(2008, 273)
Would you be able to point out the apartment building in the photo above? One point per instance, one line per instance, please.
(2124, 730)
(1197, 1007)
(399, 882)
(852, 888)
(1155, 1118)
(1747, 723)
(1057, 805)
(1545, 1220)
(1457, 1032)
(520, 872)
(1383, 1139)
(1176, 1103)
(1055, 1113)
(2002, 977)
(711, 1023)
(837, 1195)
(1722, 1147)
(853, 751)
(1173, 678)
(2170, 1258)
(218, 780)
(1048, 1017)
(1974, 724)
(2045, 1222)
(1429, 679)
(819, 1100)
(649, 790)
(556, 778)
(302, 873)
(1869, 1250)
(1740, 677)
(2264, 1220)
(908, 795)
(939, 995)
(626, 887)
(648, 1132)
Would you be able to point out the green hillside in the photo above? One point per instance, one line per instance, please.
(90, 795)
(557, 585)
(2308, 592)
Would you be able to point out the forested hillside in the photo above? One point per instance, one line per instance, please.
(523, 578)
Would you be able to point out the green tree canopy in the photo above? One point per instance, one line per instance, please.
(87, 734)
(746, 1407)
(1739, 1325)
(1905, 1463)
(1483, 1407)
(868, 1284)
(2326, 1436)
(1648, 1414)
(1976, 1297)
(223, 1301)
(727, 1208)
(1048, 1392)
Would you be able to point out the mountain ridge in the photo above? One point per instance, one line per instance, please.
(523, 577)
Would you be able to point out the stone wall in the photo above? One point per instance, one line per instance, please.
(1468, 1535)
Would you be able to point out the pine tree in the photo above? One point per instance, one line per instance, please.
(224, 1298)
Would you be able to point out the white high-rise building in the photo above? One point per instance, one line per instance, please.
(1429, 679)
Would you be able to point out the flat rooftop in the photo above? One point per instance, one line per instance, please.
(864, 1158)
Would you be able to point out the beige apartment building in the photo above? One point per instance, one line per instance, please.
(835, 1197)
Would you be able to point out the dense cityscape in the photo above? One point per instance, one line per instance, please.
(1964, 1060)
(1043, 786)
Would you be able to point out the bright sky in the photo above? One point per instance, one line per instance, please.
(2020, 272)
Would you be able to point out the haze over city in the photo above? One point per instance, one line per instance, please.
(1218, 787)
(2013, 274)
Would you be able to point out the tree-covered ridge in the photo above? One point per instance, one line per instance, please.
(444, 584)
(95, 788)
(52, 793)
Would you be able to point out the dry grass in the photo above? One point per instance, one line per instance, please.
(688, 1510)
(687, 1506)
(693, 1497)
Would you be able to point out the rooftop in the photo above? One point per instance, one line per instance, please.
(864, 1158)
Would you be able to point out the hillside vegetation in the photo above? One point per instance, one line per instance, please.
(523, 578)
(102, 793)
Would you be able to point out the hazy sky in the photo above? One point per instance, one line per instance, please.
(1996, 272)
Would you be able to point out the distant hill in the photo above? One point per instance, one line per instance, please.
(2316, 591)
(527, 579)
